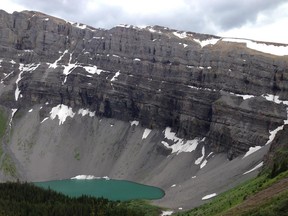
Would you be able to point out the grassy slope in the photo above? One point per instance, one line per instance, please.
(224, 203)
(3, 122)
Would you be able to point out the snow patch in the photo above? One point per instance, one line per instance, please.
(92, 69)
(89, 177)
(274, 98)
(180, 145)
(85, 112)
(174, 185)
(124, 26)
(166, 213)
(79, 25)
(146, 133)
(62, 111)
(203, 164)
(243, 96)
(185, 45)
(54, 65)
(30, 110)
(115, 76)
(211, 41)
(252, 150)
(12, 115)
(69, 68)
(209, 196)
(136, 123)
(261, 47)
(200, 88)
(136, 59)
(254, 168)
(23, 68)
(44, 120)
(199, 160)
(180, 34)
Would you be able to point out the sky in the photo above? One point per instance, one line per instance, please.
(262, 20)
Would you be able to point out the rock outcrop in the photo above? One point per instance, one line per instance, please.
(156, 75)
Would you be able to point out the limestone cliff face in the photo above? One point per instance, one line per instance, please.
(157, 76)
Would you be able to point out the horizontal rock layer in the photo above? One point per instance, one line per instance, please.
(158, 76)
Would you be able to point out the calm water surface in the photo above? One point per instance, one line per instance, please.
(110, 189)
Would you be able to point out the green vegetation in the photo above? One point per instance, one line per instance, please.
(27, 199)
(280, 161)
(3, 122)
(8, 167)
(276, 206)
(224, 202)
(76, 154)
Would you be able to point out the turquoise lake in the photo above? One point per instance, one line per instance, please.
(110, 189)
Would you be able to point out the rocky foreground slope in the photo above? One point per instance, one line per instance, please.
(153, 105)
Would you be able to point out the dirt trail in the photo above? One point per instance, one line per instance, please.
(259, 198)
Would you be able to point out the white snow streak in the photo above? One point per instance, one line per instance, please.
(203, 164)
(89, 177)
(199, 160)
(54, 65)
(79, 25)
(209, 196)
(243, 96)
(180, 34)
(252, 150)
(44, 120)
(146, 133)
(12, 115)
(115, 76)
(255, 168)
(69, 68)
(92, 69)
(23, 68)
(261, 47)
(84, 112)
(134, 123)
(62, 111)
(180, 145)
(274, 98)
(211, 41)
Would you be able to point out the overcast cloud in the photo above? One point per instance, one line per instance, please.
(255, 19)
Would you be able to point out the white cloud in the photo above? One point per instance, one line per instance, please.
(10, 6)
(268, 27)
(255, 19)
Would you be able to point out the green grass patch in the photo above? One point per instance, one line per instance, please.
(3, 123)
(8, 166)
(235, 196)
(144, 207)
(77, 154)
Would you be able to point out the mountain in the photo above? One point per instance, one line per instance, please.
(190, 113)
